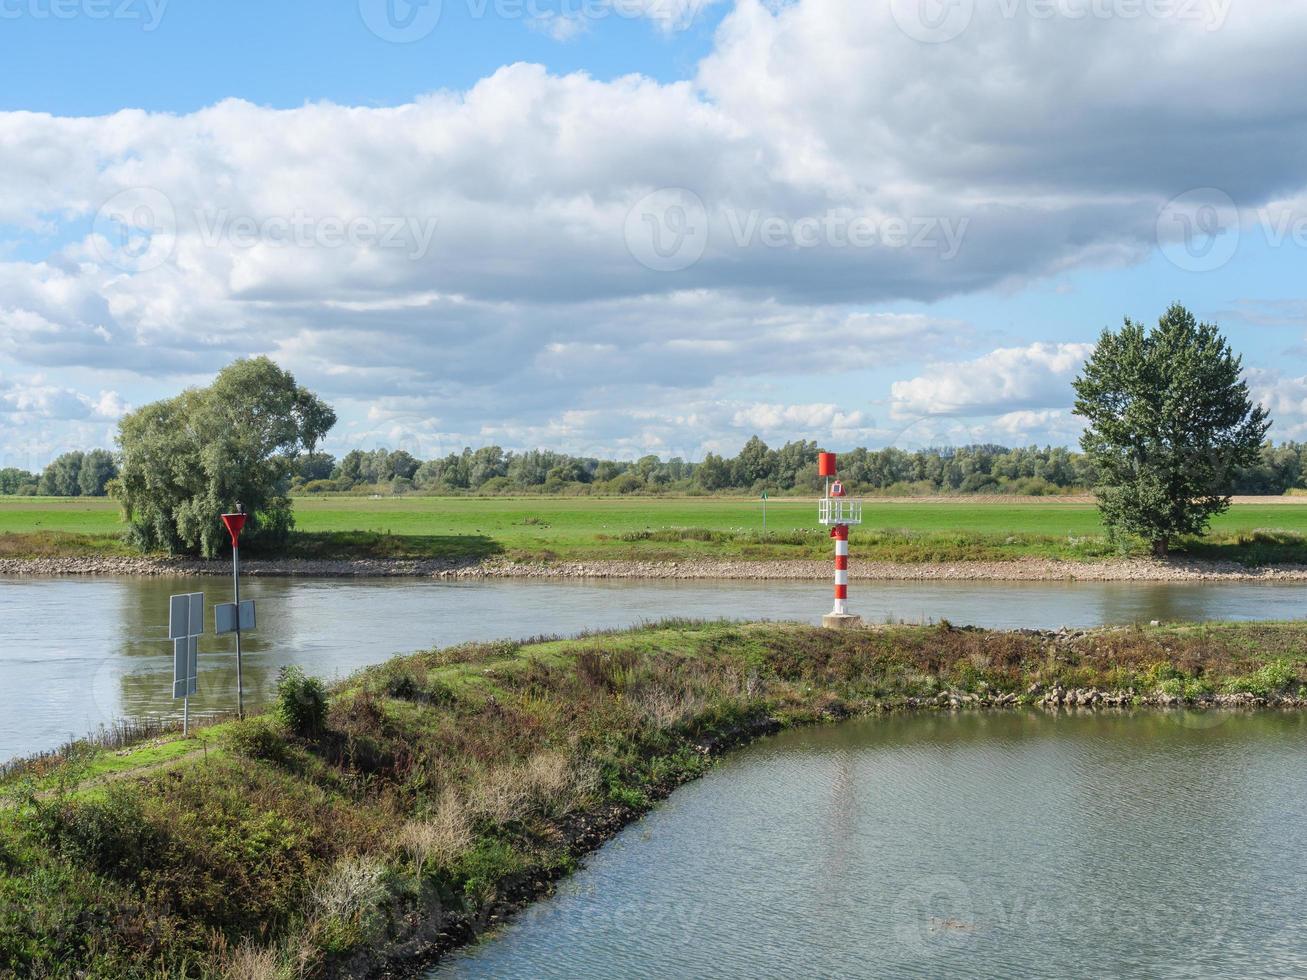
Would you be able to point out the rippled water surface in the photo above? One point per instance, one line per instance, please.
(76, 653)
(988, 845)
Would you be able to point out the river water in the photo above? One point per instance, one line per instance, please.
(79, 652)
(979, 845)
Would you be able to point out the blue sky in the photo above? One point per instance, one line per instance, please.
(628, 226)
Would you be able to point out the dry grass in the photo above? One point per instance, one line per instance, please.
(439, 841)
(250, 962)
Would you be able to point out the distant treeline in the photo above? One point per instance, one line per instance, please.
(74, 474)
(792, 468)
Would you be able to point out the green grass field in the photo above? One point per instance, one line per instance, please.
(672, 528)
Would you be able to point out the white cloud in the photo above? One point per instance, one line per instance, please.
(1000, 382)
(468, 252)
(1285, 398)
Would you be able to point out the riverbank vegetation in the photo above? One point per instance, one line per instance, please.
(400, 812)
(466, 530)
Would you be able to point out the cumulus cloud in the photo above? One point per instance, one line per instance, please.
(35, 400)
(500, 256)
(1284, 397)
(1001, 382)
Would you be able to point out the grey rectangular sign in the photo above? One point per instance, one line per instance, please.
(179, 617)
(224, 617)
(185, 666)
(185, 615)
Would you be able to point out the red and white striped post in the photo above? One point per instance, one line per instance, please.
(839, 513)
(841, 535)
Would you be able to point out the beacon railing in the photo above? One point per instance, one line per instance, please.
(840, 510)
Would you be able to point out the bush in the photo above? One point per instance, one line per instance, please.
(259, 738)
(1273, 678)
(110, 834)
(301, 702)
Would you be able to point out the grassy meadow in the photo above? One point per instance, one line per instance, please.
(664, 529)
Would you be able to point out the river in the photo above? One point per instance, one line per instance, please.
(1018, 844)
(76, 653)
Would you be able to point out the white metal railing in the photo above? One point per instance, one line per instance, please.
(840, 510)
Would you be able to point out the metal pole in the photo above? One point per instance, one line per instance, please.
(236, 588)
(186, 715)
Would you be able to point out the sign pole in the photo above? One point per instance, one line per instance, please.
(236, 590)
(234, 523)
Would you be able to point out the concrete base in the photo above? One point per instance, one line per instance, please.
(838, 621)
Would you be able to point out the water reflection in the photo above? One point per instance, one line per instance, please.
(76, 653)
(987, 845)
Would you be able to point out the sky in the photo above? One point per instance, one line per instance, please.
(618, 227)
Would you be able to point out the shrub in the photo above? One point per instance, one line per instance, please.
(110, 834)
(1273, 678)
(259, 738)
(301, 702)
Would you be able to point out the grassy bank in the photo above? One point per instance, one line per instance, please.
(433, 792)
(467, 529)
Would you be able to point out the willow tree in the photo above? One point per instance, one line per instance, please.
(186, 460)
(1170, 420)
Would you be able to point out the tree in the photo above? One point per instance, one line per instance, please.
(186, 460)
(1169, 420)
(60, 478)
(401, 464)
(98, 468)
(16, 481)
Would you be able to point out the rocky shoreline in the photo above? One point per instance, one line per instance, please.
(1021, 570)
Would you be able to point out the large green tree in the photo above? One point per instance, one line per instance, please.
(1169, 420)
(186, 460)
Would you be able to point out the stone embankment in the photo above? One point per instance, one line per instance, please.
(1022, 570)
(1058, 697)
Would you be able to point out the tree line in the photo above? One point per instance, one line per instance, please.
(75, 474)
(1030, 471)
(987, 468)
